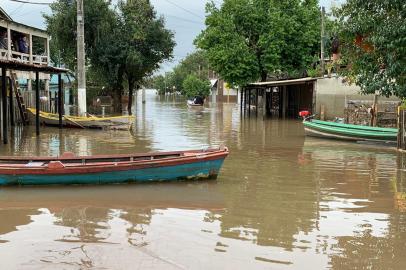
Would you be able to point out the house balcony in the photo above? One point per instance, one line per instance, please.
(22, 43)
(24, 57)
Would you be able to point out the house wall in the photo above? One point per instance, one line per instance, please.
(225, 94)
(333, 95)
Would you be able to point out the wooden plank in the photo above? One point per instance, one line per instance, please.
(4, 104)
(60, 100)
(37, 103)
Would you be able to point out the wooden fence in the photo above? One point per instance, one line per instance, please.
(48, 100)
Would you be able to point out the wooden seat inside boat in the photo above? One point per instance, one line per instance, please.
(34, 164)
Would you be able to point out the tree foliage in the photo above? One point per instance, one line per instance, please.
(194, 86)
(373, 42)
(195, 63)
(124, 43)
(61, 25)
(248, 40)
(159, 83)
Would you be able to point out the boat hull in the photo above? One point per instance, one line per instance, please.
(346, 132)
(189, 166)
(191, 104)
(192, 171)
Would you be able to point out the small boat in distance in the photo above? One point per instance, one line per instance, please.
(348, 132)
(108, 169)
(50, 119)
(191, 104)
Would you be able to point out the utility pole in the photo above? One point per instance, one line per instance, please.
(323, 12)
(81, 59)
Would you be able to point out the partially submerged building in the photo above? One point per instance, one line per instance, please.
(24, 56)
(327, 98)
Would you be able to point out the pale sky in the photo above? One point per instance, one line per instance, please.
(184, 17)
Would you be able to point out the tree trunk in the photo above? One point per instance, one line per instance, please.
(117, 92)
(264, 76)
(130, 95)
(117, 96)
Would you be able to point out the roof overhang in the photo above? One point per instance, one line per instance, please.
(19, 27)
(282, 82)
(4, 14)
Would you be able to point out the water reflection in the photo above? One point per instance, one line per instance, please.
(282, 201)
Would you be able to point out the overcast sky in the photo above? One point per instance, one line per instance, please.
(184, 17)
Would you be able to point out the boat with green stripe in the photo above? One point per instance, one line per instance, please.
(349, 132)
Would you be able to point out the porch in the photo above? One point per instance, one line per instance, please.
(23, 43)
(282, 99)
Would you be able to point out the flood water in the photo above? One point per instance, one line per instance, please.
(282, 201)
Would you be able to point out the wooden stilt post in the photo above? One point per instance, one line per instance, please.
(11, 106)
(264, 100)
(37, 102)
(4, 103)
(245, 101)
(284, 101)
(249, 102)
(60, 99)
(256, 102)
(55, 102)
(51, 108)
(241, 89)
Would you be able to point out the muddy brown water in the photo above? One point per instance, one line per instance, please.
(282, 201)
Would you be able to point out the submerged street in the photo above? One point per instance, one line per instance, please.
(281, 201)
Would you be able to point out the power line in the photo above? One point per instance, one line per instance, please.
(29, 2)
(182, 19)
(184, 9)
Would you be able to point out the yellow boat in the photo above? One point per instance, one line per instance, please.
(91, 121)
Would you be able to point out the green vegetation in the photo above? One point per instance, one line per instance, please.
(195, 63)
(124, 43)
(159, 83)
(250, 40)
(373, 43)
(194, 86)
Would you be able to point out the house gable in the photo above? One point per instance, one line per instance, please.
(4, 15)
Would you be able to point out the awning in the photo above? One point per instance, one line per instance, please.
(282, 82)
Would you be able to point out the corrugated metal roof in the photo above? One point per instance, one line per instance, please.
(283, 82)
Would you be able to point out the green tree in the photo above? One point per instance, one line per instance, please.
(148, 42)
(373, 45)
(194, 86)
(61, 25)
(125, 43)
(159, 84)
(195, 63)
(248, 40)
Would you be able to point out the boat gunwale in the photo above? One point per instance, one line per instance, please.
(157, 153)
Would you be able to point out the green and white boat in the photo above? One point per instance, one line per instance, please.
(348, 132)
